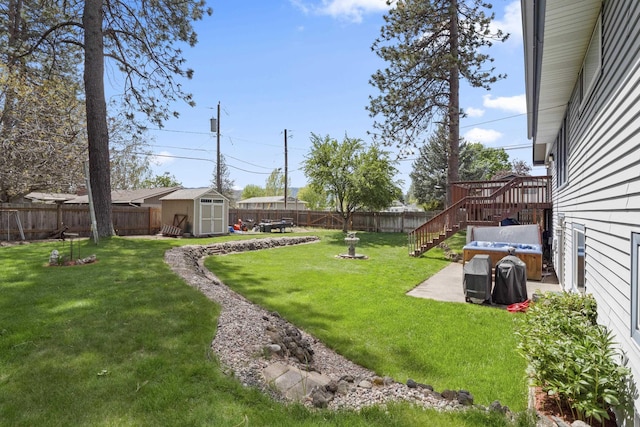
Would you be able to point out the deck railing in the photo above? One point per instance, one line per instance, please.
(482, 203)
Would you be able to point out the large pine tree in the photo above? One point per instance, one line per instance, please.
(141, 40)
(429, 46)
(41, 116)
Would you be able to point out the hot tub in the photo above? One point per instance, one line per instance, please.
(529, 253)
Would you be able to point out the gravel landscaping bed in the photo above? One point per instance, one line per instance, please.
(242, 341)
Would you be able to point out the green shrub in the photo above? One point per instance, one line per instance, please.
(573, 358)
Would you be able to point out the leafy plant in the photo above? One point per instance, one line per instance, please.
(574, 359)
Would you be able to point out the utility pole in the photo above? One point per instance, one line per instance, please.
(215, 127)
(219, 172)
(285, 169)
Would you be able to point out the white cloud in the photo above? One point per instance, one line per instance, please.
(510, 23)
(162, 158)
(516, 103)
(300, 5)
(484, 136)
(351, 10)
(474, 112)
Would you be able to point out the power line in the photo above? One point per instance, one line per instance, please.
(171, 156)
(494, 120)
(512, 117)
(251, 164)
(180, 131)
(230, 138)
(181, 148)
(506, 148)
(210, 151)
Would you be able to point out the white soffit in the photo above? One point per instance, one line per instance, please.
(567, 32)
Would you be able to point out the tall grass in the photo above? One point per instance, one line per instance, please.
(125, 342)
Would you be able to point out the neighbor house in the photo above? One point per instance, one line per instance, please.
(398, 206)
(142, 197)
(582, 62)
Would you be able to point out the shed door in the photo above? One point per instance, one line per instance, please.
(211, 216)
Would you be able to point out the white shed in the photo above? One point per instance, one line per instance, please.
(199, 211)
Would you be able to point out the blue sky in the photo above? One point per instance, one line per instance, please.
(304, 66)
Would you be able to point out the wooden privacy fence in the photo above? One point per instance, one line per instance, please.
(393, 222)
(40, 221)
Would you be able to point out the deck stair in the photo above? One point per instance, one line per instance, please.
(484, 203)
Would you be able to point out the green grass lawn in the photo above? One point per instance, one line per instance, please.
(125, 342)
(359, 308)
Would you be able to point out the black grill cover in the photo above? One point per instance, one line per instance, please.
(510, 281)
(477, 279)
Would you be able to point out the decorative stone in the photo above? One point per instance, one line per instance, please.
(54, 257)
(289, 339)
(343, 388)
(88, 260)
(449, 394)
(320, 398)
(365, 384)
(465, 398)
(559, 422)
(274, 349)
(332, 387)
(244, 330)
(497, 407)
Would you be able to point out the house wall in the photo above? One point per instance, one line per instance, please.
(602, 189)
(153, 201)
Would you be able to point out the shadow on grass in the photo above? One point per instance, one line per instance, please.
(100, 331)
(254, 286)
(368, 239)
(125, 342)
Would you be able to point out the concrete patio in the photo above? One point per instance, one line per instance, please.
(446, 285)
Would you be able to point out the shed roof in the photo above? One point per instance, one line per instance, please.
(130, 196)
(37, 196)
(192, 194)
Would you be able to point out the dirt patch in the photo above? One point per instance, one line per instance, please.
(549, 406)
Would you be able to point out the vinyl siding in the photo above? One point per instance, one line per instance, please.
(602, 190)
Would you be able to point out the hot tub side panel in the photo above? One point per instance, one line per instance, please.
(532, 260)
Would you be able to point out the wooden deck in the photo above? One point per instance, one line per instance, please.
(485, 203)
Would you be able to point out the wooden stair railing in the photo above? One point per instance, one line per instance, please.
(478, 210)
(438, 228)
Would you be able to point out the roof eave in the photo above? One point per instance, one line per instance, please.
(556, 36)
